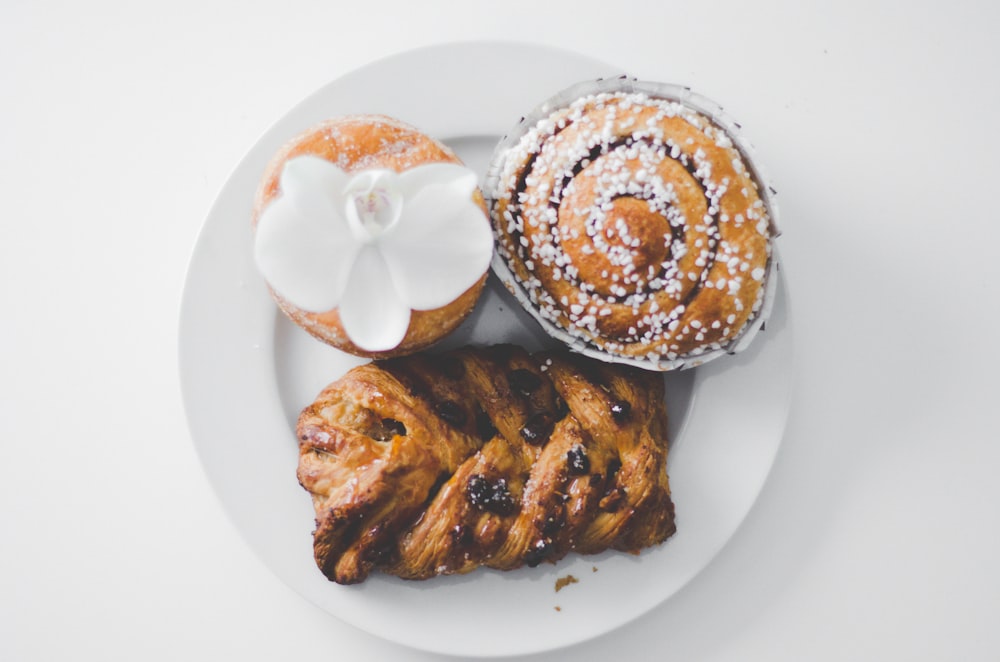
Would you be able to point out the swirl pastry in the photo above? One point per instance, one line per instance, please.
(632, 226)
(422, 466)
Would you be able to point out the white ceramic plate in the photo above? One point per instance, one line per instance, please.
(246, 372)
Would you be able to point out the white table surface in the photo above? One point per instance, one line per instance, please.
(877, 535)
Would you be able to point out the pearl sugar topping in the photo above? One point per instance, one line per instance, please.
(633, 224)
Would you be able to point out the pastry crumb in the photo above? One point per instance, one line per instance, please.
(565, 581)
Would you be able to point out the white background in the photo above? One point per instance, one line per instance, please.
(877, 535)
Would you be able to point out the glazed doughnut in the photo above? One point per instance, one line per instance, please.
(632, 227)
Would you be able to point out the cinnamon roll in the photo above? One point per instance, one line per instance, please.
(631, 223)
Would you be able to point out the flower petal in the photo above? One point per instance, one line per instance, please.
(460, 179)
(373, 315)
(315, 183)
(364, 181)
(440, 248)
(300, 258)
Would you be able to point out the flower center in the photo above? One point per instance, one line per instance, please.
(376, 210)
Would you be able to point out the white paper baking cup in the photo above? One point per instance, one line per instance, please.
(492, 188)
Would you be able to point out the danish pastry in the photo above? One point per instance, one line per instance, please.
(429, 465)
(633, 226)
(371, 235)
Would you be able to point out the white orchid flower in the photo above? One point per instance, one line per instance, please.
(375, 244)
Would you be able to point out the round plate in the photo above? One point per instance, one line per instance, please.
(246, 372)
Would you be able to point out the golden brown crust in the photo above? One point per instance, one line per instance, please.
(634, 225)
(358, 142)
(430, 465)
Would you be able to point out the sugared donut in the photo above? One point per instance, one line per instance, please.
(357, 146)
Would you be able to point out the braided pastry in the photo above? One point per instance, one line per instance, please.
(430, 465)
(632, 226)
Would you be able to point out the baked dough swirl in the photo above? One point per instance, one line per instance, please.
(634, 225)
(428, 465)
